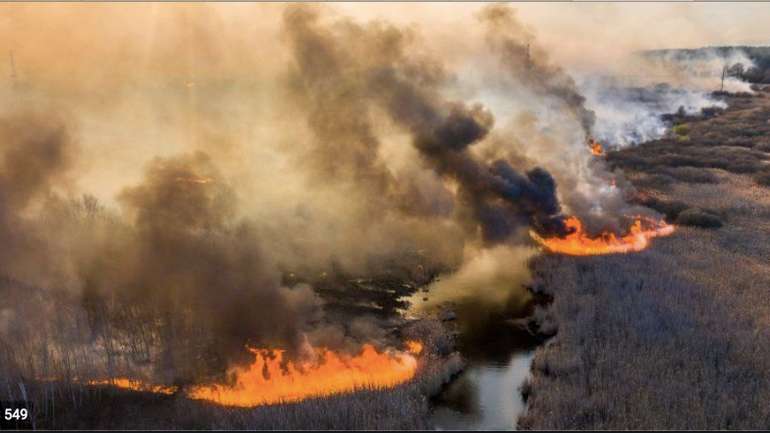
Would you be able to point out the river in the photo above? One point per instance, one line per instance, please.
(498, 355)
(486, 396)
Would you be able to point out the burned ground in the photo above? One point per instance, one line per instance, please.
(674, 337)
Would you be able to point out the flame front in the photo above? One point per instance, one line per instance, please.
(579, 243)
(271, 379)
(135, 385)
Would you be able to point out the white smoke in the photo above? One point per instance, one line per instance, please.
(627, 115)
(704, 67)
(629, 106)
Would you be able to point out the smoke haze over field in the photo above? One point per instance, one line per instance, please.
(183, 158)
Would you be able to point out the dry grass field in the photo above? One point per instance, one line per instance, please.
(677, 336)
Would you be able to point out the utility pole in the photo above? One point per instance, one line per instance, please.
(724, 71)
(528, 59)
(13, 70)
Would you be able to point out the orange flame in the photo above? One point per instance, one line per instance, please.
(414, 347)
(271, 379)
(135, 385)
(595, 147)
(578, 243)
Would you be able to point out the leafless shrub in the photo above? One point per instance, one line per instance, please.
(763, 178)
(698, 218)
(660, 182)
(692, 175)
(544, 322)
(670, 208)
(525, 389)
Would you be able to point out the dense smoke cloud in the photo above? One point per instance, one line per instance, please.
(632, 114)
(408, 89)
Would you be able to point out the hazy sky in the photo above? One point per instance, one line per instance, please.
(575, 32)
(146, 78)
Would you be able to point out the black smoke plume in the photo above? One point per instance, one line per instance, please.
(407, 89)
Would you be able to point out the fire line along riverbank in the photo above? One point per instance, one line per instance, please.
(645, 340)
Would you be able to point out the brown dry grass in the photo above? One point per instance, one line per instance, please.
(675, 337)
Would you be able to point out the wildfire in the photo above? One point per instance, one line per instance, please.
(271, 379)
(135, 385)
(578, 243)
(595, 147)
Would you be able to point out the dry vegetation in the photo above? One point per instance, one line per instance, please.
(675, 337)
(72, 405)
(79, 407)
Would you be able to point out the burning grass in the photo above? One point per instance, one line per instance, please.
(132, 401)
(580, 243)
(134, 385)
(595, 147)
(645, 340)
(664, 339)
(89, 353)
(271, 379)
(274, 379)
